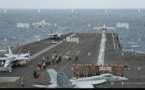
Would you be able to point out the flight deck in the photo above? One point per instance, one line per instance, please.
(87, 50)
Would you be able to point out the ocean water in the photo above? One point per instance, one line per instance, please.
(65, 21)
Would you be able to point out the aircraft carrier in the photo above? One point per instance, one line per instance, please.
(88, 51)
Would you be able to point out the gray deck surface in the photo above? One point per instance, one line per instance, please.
(88, 43)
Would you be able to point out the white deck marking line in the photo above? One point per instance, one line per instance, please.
(89, 54)
(113, 41)
(72, 35)
(46, 49)
(78, 52)
(138, 68)
(68, 52)
(122, 83)
(102, 49)
(122, 54)
(8, 79)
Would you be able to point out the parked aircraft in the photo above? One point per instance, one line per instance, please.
(60, 80)
(14, 59)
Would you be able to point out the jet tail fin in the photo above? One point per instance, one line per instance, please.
(29, 53)
(63, 80)
(53, 75)
(10, 51)
(20, 50)
(59, 78)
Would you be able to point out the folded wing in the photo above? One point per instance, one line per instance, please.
(3, 58)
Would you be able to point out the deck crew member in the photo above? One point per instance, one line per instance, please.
(22, 81)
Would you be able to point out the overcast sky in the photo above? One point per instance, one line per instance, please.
(72, 4)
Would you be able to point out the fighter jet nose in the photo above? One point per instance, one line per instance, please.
(124, 79)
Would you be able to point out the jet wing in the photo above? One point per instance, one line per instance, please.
(6, 54)
(41, 86)
(21, 58)
(97, 82)
(88, 84)
(83, 85)
(110, 27)
(97, 28)
(24, 55)
(3, 58)
(47, 23)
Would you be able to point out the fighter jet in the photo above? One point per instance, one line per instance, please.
(54, 35)
(103, 27)
(14, 59)
(60, 80)
(41, 24)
